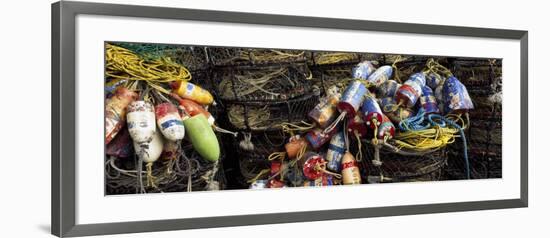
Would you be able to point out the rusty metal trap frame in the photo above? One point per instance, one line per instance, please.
(226, 56)
(121, 174)
(269, 115)
(192, 57)
(251, 83)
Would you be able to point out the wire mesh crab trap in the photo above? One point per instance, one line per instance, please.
(262, 83)
(327, 76)
(331, 58)
(224, 56)
(321, 58)
(261, 116)
(483, 79)
(404, 65)
(259, 145)
(251, 169)
(188, 173)
(336, 73)
(404, 166)
(248, 155)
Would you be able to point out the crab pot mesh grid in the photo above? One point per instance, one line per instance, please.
(327, 76)
(223, 56)
(250, 161)
(264, 143)
(260, 116)
(320, 58)
(190, 169)
(397, 167)
(404, 65)
(484, 135)
(250, 167)
(243, 164)
(192, 57)
(261, 83)
(327, 58)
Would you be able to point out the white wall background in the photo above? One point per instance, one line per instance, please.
(25, 118)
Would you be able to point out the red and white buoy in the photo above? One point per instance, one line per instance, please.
(169, 121)
(350, 170)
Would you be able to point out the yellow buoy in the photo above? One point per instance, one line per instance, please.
(193, 92)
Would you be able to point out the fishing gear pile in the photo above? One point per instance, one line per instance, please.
(261, 90)
(351, 131)
(159, 134)
(295, 118)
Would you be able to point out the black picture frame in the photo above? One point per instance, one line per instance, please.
(64, 107)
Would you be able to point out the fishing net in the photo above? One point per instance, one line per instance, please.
(224, 56)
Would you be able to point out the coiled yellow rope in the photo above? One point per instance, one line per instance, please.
(427, 139)
(125, 64)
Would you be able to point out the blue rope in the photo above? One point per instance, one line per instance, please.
(440, 122)
(465, 144)
(414, 123)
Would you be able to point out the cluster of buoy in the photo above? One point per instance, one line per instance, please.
(369, 108)
(158, 124)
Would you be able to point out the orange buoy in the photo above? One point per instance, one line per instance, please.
(294, 146)
(192, 108)
(115, 111)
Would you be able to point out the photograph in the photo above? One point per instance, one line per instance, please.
(186, 118)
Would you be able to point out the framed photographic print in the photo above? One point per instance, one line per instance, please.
(283, 119)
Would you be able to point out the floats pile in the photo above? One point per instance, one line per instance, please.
(155, 115)
(422, 115)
